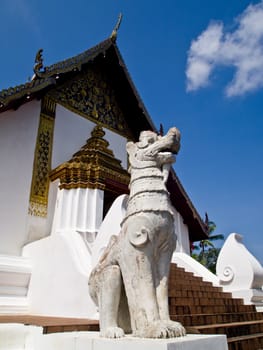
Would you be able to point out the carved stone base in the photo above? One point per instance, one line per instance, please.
(59, 281)
(18, 337)
(92, 341)
(15, 273)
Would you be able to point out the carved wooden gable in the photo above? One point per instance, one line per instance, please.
(91, 95)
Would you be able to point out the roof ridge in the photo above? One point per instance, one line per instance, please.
(45, 76)
(75, 61)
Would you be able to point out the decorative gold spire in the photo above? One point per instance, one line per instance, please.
(116, 28)
(93, 166)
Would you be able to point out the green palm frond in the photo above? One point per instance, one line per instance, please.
(217, 237)
(205, 252)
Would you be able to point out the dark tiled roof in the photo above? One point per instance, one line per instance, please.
(44, 79)
(12, 94)
(76, 62)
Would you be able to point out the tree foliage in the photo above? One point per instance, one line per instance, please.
(205, 251)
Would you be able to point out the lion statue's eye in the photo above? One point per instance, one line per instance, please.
(151, 140)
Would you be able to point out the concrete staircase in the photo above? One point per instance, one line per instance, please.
(198, 305)
(203, 308)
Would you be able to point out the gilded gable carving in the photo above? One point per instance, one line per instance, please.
(90, 94)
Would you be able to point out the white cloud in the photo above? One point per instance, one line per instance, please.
(201, 56)
(241, 49)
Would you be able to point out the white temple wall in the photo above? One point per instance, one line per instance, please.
(181, 230)
(39, 227)
(71, 133)
(18, 132)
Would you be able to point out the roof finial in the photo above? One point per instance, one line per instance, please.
(38, 67)
(116, 28)
(161, 133)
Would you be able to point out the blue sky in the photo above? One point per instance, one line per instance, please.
(197, 65)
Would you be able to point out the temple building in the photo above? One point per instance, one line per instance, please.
(64, 134)
(47, 120)
(63, 185)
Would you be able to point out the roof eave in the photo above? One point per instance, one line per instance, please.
(196, 226)
(14, 97)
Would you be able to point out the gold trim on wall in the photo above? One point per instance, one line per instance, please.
(42, 160)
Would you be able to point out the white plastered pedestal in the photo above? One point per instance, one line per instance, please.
(20, 337)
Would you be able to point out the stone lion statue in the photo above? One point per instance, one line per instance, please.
(130, 282)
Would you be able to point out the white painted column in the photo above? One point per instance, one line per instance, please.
(79, 210)
(62, 261)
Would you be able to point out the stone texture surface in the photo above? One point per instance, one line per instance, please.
(129, 284)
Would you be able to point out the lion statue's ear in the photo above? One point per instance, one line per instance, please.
(139, 238)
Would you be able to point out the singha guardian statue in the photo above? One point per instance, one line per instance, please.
(130, 282)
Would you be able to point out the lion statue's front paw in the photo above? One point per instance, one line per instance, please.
(176, 329)
(112, 332)
(163, 329)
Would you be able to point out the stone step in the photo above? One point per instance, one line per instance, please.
(232, 329)
(177, 275)
(71, 328)
(203, 319)
(193, 286)
(53, 324)
(204, 301)
(182, 293)
(208, 309)
(246, 342)
(175, 280)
